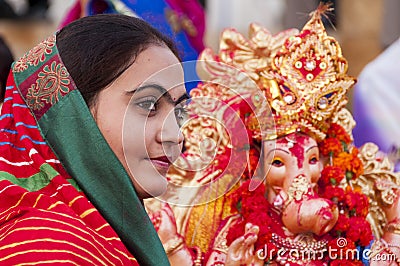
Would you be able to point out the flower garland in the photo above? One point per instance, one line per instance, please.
(254, 208)
(334, 184)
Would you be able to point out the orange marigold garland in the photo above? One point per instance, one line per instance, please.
(344, 166)
(330, 147)
(350, 163)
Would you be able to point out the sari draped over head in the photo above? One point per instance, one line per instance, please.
(64, 195)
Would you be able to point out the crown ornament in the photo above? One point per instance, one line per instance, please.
(302, 76)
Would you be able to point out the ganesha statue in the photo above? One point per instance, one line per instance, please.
(270, 174)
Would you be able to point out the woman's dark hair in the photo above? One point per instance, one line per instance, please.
(97, 49)
(6, 59)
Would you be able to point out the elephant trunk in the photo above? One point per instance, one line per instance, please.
(305, 212)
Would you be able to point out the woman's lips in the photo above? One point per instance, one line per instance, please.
(162, 163)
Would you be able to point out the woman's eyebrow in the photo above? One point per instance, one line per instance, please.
(164, 93)
(183, 97)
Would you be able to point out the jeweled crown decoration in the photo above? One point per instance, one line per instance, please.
(303, 75)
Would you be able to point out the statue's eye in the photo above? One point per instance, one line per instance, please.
(313, 160)
(277, 162)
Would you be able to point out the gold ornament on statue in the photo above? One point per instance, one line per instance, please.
(302, 75)
(307, 81)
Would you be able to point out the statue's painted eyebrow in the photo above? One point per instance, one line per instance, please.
(164, 93)
(312, 147)
(279, 149)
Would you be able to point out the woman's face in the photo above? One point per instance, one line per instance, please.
(140, 114)
(290, 156)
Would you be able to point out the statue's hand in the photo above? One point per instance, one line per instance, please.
(241, 251)
(395, 209)
(174, 244)
(391, 196)
(388, 245)
(167, 224)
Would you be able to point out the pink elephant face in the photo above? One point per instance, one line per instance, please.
(291, 176)
(293, 155)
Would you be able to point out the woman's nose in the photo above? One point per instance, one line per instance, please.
(170, 131)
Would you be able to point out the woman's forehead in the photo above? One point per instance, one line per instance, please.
(159, 65)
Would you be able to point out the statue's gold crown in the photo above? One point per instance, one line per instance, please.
(302, 75)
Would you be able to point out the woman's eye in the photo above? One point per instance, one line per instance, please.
(149, 105)
(181, 115)
(313, 160)
(277, 162)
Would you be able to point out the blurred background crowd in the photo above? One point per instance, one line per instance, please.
(364, 28)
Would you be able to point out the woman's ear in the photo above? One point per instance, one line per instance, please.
(93, 109)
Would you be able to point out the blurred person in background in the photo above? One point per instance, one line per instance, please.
(6, 11)
(376, 103)
(38, 8)
(24, 9)
(6, 59)
(390, 29)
